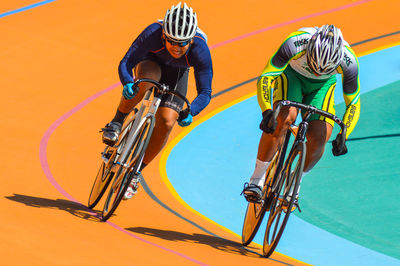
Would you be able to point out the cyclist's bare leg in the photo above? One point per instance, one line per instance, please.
(317, 136)
(165, 121)
(267, 147)
(268, 144)
(145, 69)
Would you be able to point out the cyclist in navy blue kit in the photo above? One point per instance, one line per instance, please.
(164, 52)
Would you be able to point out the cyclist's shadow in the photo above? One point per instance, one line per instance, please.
(204, 239)
(72, 207)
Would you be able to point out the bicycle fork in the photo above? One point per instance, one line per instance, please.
(121, 164)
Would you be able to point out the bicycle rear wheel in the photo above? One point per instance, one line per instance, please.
(255, 211)
(287, 184)
(131, 166)
(105, 173)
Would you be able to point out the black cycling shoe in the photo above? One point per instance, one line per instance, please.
(252, 193)
(111, 133)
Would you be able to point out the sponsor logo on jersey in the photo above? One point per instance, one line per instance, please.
(300, 42)
(347, 60)
(265, 91)
(351, 116)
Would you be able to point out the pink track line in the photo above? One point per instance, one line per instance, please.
(50, 177)
(287, 23)
(54, 126)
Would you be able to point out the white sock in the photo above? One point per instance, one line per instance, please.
(298, 191)
(258, 176)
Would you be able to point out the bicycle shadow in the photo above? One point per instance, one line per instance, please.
(203, 239)
(74, 208)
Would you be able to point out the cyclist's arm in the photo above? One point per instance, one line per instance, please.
(292, 48)
(201, 101)
(139, 48)
(264, 85)
(351, 89)
(203, 73)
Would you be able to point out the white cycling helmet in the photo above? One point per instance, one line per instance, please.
(325, 50)
(180, 23)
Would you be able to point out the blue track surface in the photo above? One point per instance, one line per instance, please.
(209, 166)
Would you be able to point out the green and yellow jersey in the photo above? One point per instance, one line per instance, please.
(292, 52)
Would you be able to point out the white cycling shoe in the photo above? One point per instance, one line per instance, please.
(133, 187)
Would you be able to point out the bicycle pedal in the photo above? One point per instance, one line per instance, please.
(106, 156)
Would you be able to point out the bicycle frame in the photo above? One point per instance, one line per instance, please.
(282, 181)
(123, 160)
(303, 126)
(139, 120)
(137, 124)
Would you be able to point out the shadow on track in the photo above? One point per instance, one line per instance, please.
(215, 242)
(72, 207)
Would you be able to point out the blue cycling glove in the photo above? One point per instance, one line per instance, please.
(129, 91)
(185, 118)
(187, 121)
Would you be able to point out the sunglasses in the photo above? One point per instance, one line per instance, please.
(180, 44)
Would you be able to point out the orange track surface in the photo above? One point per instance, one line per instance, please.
(55, 56)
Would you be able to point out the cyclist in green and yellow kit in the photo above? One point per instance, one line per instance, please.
(304, 70)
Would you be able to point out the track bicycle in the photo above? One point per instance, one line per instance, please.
(121, 162)
(282, 181)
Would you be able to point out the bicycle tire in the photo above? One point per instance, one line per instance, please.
(104, 174)
(254, 215)
(125, 174)
(274, 229)
(255, 211)
(101, 182)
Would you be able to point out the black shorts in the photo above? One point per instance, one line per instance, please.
(176, 79)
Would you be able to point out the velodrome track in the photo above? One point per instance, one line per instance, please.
(60, 85)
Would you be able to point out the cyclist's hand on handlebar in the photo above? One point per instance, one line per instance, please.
(129, 91)
(185, 118)
(268, 124)
(339, 146)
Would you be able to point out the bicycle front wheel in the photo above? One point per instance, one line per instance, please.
(255, 211)
(131, 166)
(103, 177)
(284, 190)
(105, 173)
